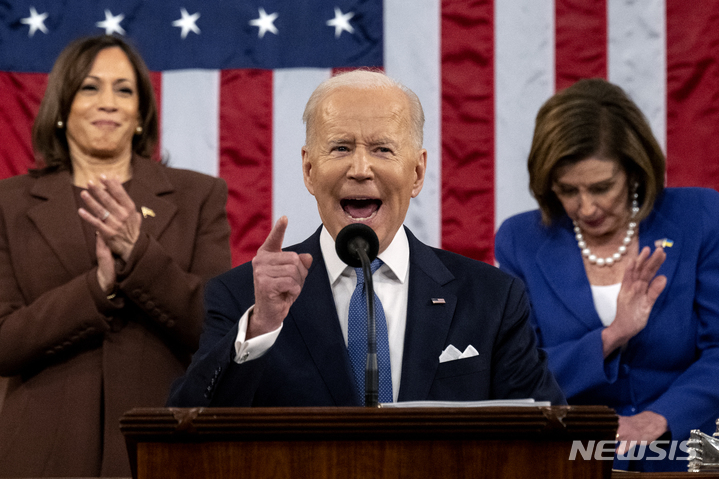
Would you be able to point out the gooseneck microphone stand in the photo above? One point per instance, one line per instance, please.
(371, 374)
(357, 245)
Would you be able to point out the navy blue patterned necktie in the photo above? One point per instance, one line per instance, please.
(357, 339)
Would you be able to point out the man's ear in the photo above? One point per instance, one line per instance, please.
(307, 170)
(420, 169)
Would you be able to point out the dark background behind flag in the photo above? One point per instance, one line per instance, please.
(232, 78)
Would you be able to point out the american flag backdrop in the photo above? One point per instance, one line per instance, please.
(232, 78)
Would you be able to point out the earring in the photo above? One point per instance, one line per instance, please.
(60, 124)
(138, 130)
(635, 199)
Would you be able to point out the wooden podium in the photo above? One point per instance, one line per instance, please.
(453, 443)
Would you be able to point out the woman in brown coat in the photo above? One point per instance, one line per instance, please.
(103, 258)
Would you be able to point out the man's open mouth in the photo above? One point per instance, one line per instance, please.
(360, 208)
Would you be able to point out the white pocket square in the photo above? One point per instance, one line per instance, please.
(452, 353)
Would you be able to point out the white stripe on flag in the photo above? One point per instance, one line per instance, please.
(412, 56)
(190, 119)
(637, 57)
(291, 90)
(524, 80)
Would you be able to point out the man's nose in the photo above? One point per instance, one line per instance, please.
(360, 167)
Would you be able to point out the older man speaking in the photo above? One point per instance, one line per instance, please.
(288, 329)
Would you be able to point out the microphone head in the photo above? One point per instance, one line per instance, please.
(353, 236)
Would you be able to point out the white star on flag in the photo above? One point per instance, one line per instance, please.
(341, 22)
(187, 22)
(111, 24)
(36, 22)
(266, 23)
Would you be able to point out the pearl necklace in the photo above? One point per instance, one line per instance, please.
(616, 257)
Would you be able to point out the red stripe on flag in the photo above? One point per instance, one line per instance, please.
(20, 96)
(581, 41)
(246, 157)
(468, 128)
(692, 93)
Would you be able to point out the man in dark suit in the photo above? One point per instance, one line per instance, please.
(276, 331)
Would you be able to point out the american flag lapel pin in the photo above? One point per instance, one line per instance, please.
(147, 212)
(438, 301)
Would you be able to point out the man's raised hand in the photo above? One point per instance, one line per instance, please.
(278, 278)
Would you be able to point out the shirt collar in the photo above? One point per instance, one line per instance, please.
(396, 256)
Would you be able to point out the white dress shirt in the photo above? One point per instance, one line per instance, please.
(390, 284)
(605, 301)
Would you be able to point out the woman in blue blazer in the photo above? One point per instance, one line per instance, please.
(623, 326)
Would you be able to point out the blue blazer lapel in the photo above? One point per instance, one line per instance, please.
(427, 323)
(565, 274)
(315, 315)
(657, 227)
(563, 269)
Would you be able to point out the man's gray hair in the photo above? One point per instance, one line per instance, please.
(364, 80)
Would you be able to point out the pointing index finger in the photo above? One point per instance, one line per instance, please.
(273, 243)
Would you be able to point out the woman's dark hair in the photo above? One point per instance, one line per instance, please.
(594, 118)
(71, 67)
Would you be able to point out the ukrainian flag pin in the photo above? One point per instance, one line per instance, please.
(664, 243)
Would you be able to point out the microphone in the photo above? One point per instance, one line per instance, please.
(353, 238)
(357, 245)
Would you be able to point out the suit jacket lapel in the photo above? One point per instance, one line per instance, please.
(427, 323)
(315, 315)
(58, 222)
(565, 272)
(149, 184)
(561, 264)
(658, 227)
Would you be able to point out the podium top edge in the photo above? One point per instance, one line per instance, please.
(575, 421)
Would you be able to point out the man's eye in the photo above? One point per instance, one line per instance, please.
(384, 149)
